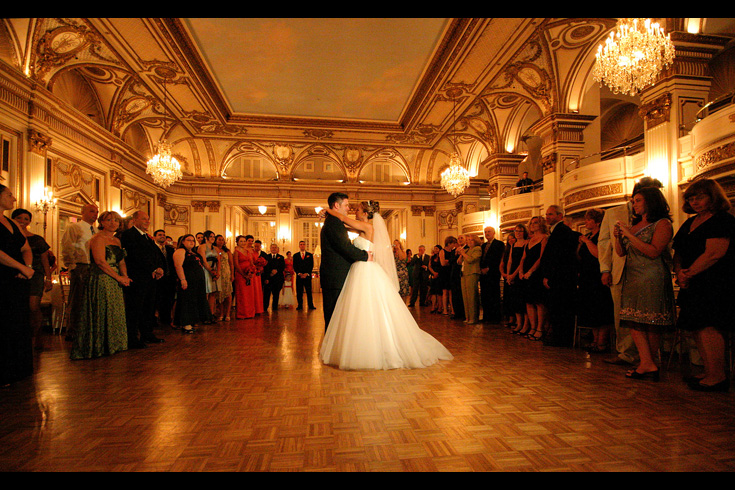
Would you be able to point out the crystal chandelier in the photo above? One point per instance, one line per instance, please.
(163, 167)
(633, 56)
(455, 178)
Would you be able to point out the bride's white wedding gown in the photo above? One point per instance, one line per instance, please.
(372, 328)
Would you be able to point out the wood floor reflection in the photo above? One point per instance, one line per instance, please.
(251, 395)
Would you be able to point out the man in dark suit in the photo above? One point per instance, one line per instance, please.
(258, 248)
(166, 286)
(273, 277)
(420, 263)
(303, 264)
(492, 254)
(338, 254)
(559, 272)
(145, 265)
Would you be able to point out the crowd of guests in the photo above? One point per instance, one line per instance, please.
(616, 278)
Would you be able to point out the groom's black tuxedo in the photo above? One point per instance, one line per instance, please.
(338, 254)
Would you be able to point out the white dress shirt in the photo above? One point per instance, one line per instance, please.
(75, 244)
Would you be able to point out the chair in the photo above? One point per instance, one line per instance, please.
(577, 331)
(60, 296)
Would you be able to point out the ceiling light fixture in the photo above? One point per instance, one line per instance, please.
(633, 56)
(163, 167)
(455, 178)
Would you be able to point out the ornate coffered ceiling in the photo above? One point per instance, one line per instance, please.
(349, 90)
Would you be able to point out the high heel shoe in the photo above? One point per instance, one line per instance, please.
(187, 329)
(652, 375)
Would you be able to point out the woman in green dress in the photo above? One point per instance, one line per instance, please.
(102, 328)
(647, 298)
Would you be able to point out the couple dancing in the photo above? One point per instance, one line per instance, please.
(368, 324)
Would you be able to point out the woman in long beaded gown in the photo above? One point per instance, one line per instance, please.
(647, 298)
(210, 262)
(224, 283)
(245, 277)
(401, 268)
(192, 306)
(371, 327)
(102, 329)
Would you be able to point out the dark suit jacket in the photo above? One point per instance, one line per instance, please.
(419, 273)
(338, 253)
(305, 265)
(492, 254)
(143, 255)
(559, 261)
(279, 265)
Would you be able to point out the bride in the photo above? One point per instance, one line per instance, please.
(371, 327)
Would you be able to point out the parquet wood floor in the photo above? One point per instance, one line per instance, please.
(251, 395)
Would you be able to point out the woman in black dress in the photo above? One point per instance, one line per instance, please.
(513, 281)
(41, 280)
(436, 285)
(594, 301)
(533, 289)
(446, 256)
(704, 263)
(508, 315)
(16, 260)
(192, 306)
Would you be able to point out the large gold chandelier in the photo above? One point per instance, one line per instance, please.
(633, 56)
(163, 167)
(455, 178)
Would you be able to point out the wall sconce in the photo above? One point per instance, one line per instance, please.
(284, 235)
(45, 204)
(262, 209)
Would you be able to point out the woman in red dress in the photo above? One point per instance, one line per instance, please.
(245, 278)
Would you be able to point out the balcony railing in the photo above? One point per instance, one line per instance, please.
(524, 189)
(715, 105)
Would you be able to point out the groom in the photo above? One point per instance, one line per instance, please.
(338, 254)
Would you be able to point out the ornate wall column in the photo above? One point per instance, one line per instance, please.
(669, 108)
(503, 169)
(563, 145)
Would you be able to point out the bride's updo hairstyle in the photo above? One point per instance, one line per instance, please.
(370, 207)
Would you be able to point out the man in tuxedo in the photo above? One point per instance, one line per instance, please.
(611, 271)
(258, 249)
(166, 286)
(492, 254)
(145, 265)
(273, 277)
(303, 264)
(559, 271)
(420, 263)
(338, 254)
